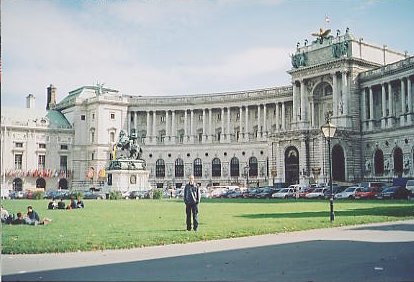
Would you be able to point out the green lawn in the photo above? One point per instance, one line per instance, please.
(108, 224)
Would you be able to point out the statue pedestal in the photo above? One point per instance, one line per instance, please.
(128, 175)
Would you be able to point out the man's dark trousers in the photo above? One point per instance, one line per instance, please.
(192, 209)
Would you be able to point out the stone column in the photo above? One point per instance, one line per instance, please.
(303, 110)
(259, 130)
(136, 123)
(264, 120)
(185, 127)
(210, 125)
(173, 127)
(384, 106)
(390, 105)
(283, 117)
(345, 92)
(364, 108)
(402, 117)
(204, 126)
(295, 102)
(312, 114)
(277, 121)
(241, 131)
(223, 131)
(371, 108)
(129, 125)
(228, 124)
(167, 127)
(148, 136)
(246, 135)
(154, 127)
(192, 126)
(334, 94)
(409, 101)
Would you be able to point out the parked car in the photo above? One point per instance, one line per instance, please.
(265, 193)
(284, 193)
(96, 196)
(137, 194)
(368, 193)
(238, 193)
(410, 187)
(394, 192)
(305, 192)
(318, 193)
(348, 193)
(250, 193)
(336, 189)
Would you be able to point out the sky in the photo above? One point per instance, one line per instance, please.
(154, 47)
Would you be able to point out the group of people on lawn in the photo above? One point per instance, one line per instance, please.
(61, 205)
(31, 218)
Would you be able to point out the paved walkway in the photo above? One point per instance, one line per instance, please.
(374, 252)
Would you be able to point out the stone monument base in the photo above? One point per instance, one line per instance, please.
(128, 175)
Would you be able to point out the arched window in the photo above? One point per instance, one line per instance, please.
(179, 168)
(198, 167)
(398, 161)
(17, 184)
(379, 162)
(216, 167)
(112, 137)
(234, 167)
(323, 89)
(63, 183)
(40, 183)
(253, 166)
(160, 168)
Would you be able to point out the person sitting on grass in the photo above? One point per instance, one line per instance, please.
(73, 204)
(79, 203)
(4, 214)
(61, 205)
(32, 216)
(19, 220)
(52, 205)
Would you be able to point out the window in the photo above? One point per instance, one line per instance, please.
(64, 163)
(160, 168)
(64, 147)
(200, 137)
(42, 146)
(92, 156)
(19, 145)
(179, 168)
(111, 137)
(216, 167)
(93, 116)
(18, 161)
(83, 117)
(162, 119)
(112, 115)
(253, 166)
(198, 167)
(238, 116)
(219, 116)
(234, 167)
(200, 117)
(41, 161)
(92, 136)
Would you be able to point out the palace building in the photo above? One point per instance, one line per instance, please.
(258, 137)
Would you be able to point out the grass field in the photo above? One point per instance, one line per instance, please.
(108, 224)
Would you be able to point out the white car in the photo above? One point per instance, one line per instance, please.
(284, 193)
(349, 193)
(318, 193)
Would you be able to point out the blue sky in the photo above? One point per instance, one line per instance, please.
(175, 47)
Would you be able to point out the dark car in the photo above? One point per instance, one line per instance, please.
(394, 192)
(251, 193)
(265, 193)
(96, 196)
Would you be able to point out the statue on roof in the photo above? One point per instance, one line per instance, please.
(321, 35)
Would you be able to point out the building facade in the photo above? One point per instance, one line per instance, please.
(258, 137)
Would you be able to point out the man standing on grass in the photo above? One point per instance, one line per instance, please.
(191, 200)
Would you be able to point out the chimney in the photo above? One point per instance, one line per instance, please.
(51, 97)
(30, 101)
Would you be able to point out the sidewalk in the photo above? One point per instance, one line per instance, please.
(395, 232)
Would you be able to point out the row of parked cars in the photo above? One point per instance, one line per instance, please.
(365, 190)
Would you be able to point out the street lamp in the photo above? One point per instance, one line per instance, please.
(328, 131)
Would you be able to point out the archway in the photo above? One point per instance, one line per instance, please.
(398, 161)
(379, 162)
(41, 183)
(63, 183)
(17, 184)
(291, 165)
(338, 163)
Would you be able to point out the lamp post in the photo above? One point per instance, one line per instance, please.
(328, 131)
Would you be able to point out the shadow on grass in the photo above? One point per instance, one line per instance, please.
(405, 211)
